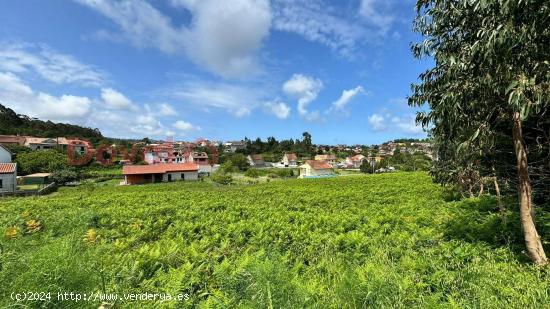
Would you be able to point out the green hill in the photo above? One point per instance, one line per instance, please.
(389, 240)
(12, 123)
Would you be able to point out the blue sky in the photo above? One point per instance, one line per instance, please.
(218, 69)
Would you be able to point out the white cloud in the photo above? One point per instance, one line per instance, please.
(55, 67)
(19, 96)
(223, 35)
(405, 124)
(234, 99)
(377, 122)
(141, 23)
(318, 22)
(166, 110)
(345, 98)
(277, 108)
(305, 89)
(133, 122)
(183, 125)
(115, 99)
(377, 13)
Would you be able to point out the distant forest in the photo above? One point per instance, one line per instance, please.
(12, 123)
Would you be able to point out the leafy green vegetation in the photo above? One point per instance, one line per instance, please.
(389, 240)
(488, 95)
(46, 161)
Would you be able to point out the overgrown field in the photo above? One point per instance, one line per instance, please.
(389, 240)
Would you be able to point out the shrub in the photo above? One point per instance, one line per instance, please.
(222, 178)
(64, 176)
(254, 173)
(41, 161)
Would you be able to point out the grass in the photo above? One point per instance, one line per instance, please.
(389, 240)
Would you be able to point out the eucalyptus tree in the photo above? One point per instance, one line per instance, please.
(491, 68)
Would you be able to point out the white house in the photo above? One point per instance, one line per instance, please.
(327, 158)
(140, 174)
(8, 177)
(234, 146)
(316, 169)
(290, 160)
(5, 155)
(355, 161)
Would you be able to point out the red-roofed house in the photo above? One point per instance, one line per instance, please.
(290, 160)
(140, 174)
(8, 177)
(316, 169)
(355, 161)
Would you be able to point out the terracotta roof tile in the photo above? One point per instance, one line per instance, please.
(159, 168)
(318, 165)
(291, 156)
(7, 168)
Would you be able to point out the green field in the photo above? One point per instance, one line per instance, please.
(389, 240)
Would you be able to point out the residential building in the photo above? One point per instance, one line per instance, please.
(234, 146)
(355, 161)
(290, 160)
(12, 140)
(256, 160)
(327, 158)
(141, 174)
(196, 157)
(40, 143)
(316, 169)
(158, 153)
(5, 154)
(8, 177)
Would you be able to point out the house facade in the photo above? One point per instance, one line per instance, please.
(327, 158)
(290, 160)
(316, 169)
(256, 160)
(142, 174)
(355, 161)
(8, 177)
(5, 155)
(198, 158)
(12, 140)
(234, 146)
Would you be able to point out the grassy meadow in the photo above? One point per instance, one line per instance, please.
(389, 240)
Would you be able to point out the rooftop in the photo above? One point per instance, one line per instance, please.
(7, 168)
(318, 165)
(159, 168)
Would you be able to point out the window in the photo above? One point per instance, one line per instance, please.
(169, 177)
(182, 176)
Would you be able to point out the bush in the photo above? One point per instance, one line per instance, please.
(238, 162)
(46, 161)
(64, 176)
(366, 167)
(222, 178)
(254, 173)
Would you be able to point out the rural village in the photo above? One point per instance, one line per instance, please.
(191, 161)
(275, 154)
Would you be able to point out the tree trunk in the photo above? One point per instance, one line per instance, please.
(532, 238)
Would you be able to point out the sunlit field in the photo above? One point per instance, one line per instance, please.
(391, 240)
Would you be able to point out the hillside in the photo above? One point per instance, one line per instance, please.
(389, 240)
(12, 123)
